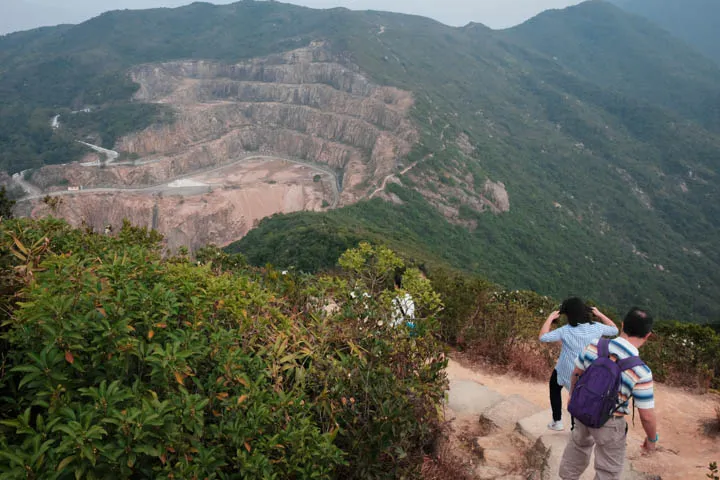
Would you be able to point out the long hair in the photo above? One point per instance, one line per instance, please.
(576, 311)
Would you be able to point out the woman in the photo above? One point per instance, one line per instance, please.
(575, 336)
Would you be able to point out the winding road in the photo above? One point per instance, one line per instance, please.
(111, 155)
(393, 175)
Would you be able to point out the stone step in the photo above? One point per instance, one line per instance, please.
(500, 454)
(535, 426)
(505, 414)
(470, 398)
(554, 445)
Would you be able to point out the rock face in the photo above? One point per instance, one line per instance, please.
(303, 104)
(306, 105)
(215, 208)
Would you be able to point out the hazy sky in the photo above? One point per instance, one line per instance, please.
(24, 14)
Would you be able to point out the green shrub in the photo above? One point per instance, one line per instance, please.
(684, 354)
(121, 364)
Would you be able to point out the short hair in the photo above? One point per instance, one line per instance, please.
(638, 323)
(575, 311)
(398, 277)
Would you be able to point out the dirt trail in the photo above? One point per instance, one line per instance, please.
(393, 175)
(685, 451)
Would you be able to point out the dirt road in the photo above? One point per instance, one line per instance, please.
(190, 190)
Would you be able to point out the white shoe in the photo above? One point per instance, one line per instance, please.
(557, 426)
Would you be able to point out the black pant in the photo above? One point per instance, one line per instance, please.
(555, 397)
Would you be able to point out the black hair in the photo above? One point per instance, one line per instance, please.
(423, 269)
(576, 311)
(399, 277)
(638, 323)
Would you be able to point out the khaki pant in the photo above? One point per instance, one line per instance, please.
(609, 442)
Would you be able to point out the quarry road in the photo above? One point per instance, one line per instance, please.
(30, 189)
(111, 155)
(392, 175)
(165, 187)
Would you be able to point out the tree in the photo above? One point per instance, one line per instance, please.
(6, 205)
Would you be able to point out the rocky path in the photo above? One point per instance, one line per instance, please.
(499, 430)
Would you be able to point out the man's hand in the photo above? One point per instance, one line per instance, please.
(554, 316)
(596, 312)
(649, 447)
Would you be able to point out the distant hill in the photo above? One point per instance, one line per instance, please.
(595, 128)
(623, 53)
(695, 21)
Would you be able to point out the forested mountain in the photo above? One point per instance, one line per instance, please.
(695, 21)
(601, 128)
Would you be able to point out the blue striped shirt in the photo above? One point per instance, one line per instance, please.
(636, 382)
(574, 340)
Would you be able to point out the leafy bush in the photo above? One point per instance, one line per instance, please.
(713, 469)
(120, 363)
(499, 325)
(684, 354)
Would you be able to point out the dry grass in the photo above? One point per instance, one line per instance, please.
(445, 466)
(532, 360)
(712, 426)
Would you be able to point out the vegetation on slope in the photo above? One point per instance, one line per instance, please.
(613, 185)
(622, 52)
(694, 21)
(119, 363)
(311, 242)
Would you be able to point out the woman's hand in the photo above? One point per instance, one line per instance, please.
(546, 326)
(603, 318)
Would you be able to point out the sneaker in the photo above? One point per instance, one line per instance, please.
(557, 426)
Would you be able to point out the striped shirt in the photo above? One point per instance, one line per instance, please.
(636, 382)
(574, 340)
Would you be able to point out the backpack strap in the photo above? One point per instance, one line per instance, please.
(627, 364)
(603, 348)
(630, 362)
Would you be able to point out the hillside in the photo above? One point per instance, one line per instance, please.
(516, 157)
(694, 21)
(622, 53)
(171, 366)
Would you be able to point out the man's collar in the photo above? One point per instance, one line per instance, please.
(629, 346)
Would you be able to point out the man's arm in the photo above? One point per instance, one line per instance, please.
(649, 423)
(546, 326)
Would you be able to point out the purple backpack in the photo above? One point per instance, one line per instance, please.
(595, 397)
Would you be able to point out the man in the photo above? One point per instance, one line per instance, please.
(403, 305)
(609, 440)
